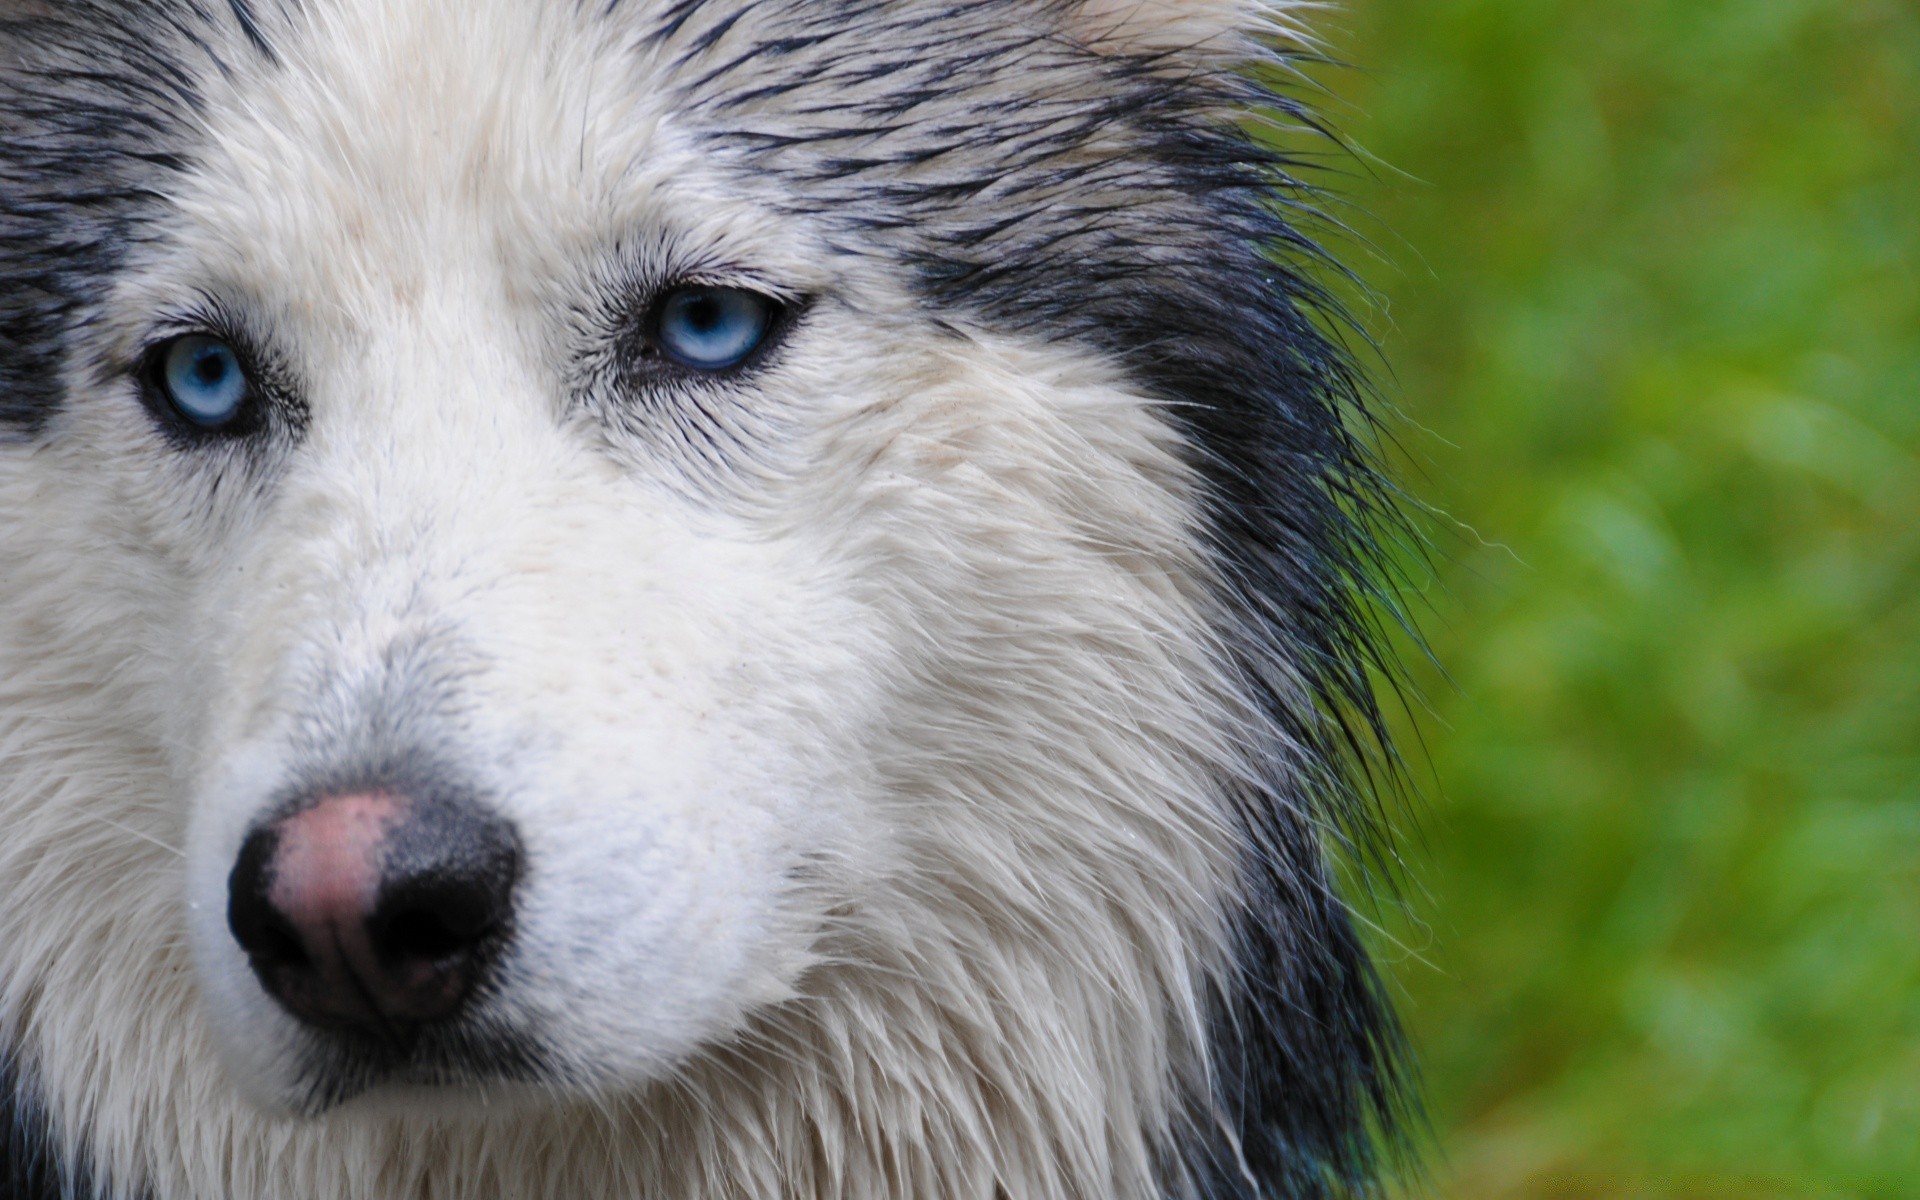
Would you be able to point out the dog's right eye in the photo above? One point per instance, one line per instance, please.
(713, 328)
(201, 378)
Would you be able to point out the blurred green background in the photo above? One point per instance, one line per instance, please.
(1648, 280)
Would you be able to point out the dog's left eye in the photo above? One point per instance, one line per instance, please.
(712, 328)
(202, 379)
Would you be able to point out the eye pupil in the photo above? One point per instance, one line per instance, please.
(712, 328)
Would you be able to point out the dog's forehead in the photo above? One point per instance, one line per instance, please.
(1007, 163)
(357, 148)
(390, 148)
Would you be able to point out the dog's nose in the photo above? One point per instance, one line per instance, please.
(374, 912)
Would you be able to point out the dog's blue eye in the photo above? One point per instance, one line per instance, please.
(203, 379)
(711, 328)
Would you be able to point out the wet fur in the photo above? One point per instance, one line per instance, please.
(1065, 477)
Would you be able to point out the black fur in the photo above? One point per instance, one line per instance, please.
(250, 25)
(1213, 317)
(91, 102)
(34, 1164)
(1307, 1051)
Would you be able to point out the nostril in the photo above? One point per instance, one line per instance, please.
(435, 922)
(260, 928)
(417, 934)
(274, 943)
(447, 887)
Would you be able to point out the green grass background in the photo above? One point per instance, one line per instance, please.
(1648, 278)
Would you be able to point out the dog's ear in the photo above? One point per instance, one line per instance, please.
(1203, 27)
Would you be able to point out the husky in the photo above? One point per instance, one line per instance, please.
(715, 599)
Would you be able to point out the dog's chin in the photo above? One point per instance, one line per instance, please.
(458, 1069)
(469, 1069)
(471, 1102)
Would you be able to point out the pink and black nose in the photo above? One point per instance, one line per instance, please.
(374, 912)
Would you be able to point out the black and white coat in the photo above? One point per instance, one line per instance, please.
(927, 740)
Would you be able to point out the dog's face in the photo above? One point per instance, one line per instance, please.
(662, 595)
(590, 577)
(487, 543)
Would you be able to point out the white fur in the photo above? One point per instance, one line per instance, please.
(1183, 27)
(868, 781)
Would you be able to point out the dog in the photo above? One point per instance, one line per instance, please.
(679, 598)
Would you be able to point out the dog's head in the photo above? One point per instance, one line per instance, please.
(635, 531)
